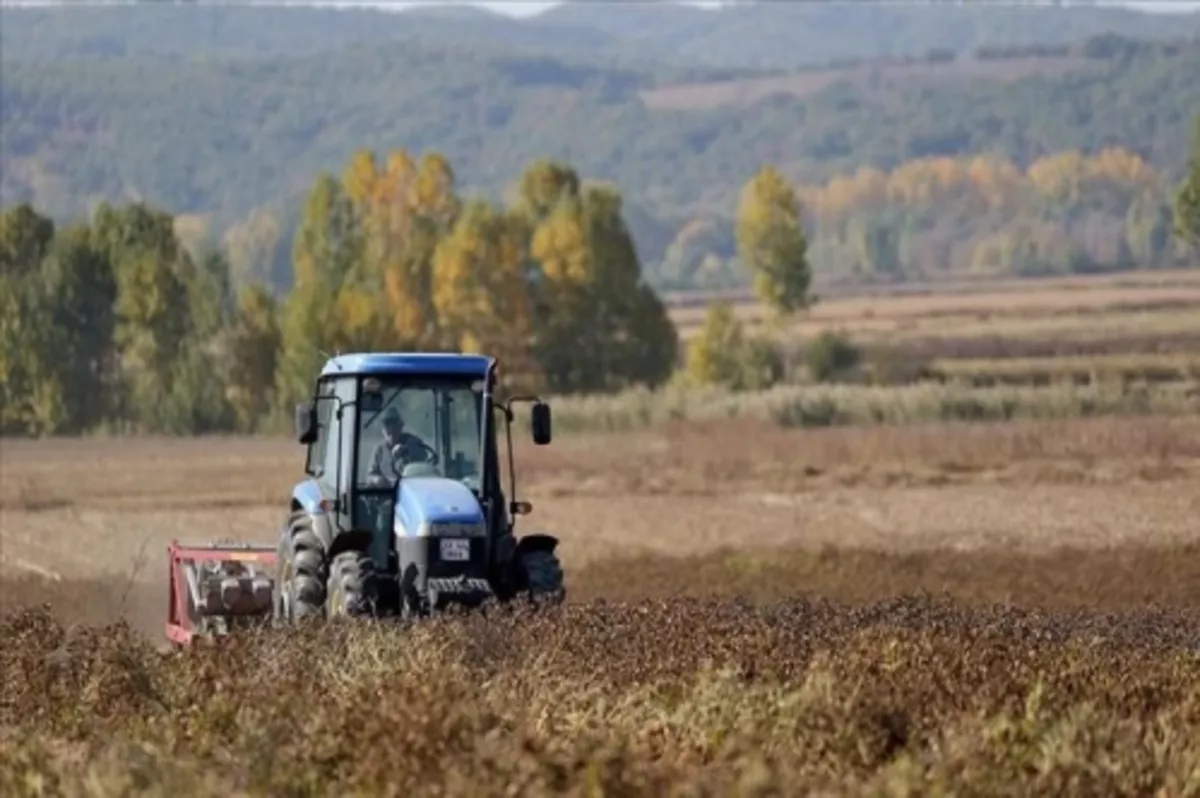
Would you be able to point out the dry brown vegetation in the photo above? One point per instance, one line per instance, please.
(1013, 608)
(753, 609)
(1171, 297)
(882, 76)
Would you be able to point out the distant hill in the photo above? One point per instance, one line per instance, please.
(218, 110)
(782, 35)
(765, 36)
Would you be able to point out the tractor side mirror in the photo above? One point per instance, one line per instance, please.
(306, 422)
(539, 417)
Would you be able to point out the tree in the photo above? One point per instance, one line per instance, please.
(25, 237)
(251, 246)
(79, 282)
(328, 246)
(152, 305)
(1148, 229)
(480, 291)
(722, 354)
(1187, 199)
(713, 355)
(588, 290)
(253, 354)
(771, 242)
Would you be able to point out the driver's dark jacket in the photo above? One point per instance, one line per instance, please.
(382, 463)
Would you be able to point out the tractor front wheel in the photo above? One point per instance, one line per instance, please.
(300, 574)
(353, 585)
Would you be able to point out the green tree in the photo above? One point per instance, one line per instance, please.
(254, 346)
(80, 284)
(1187, 199)
(771, 241)
(25, 237)
(197, 402)
(722, 354)
(328, 246)
(589, 293)
(152, 305)
(25, 393)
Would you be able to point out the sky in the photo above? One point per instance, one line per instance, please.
(525, 8)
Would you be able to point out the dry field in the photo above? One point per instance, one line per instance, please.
(1078, 345)
(755, 608)
(1150, 302)
(1014, 608)
(707, 96)
(1013, 605)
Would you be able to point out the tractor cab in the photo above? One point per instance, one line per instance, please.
(403, 469)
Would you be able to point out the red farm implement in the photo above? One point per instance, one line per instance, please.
(216, 587)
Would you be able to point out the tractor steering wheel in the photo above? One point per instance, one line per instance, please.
(431, 458)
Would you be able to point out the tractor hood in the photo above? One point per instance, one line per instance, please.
(435, 506)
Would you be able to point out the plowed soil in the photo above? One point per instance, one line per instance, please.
(1017, 614)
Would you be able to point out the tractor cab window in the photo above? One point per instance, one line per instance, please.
(414, 426)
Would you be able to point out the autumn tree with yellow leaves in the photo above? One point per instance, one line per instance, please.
(771, 241)
(389, 256)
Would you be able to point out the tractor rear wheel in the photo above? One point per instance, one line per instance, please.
(301, 572)
(543, 577)
(353, 586)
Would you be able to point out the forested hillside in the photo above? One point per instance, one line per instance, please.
(763, 36)
(226, 123)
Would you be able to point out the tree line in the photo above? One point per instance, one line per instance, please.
(1065, 213)
(1068, 212)
(115, 324)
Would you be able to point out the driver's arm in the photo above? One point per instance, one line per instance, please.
(375, 470)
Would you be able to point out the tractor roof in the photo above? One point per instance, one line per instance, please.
(386, 363)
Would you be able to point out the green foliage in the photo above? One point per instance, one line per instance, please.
(771, 241)
(723, 355)
(1187, 201)
(110, 323)
(254, 347)
(830, 356)
(115, 324)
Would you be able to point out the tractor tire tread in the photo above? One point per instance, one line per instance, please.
(354, 579)
(307, 556)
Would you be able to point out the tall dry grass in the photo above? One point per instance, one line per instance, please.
(846, 405)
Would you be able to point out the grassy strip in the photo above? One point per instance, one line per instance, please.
(837, 405)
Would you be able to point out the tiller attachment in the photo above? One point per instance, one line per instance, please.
(216, 587)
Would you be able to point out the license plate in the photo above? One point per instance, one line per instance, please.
(456, 550)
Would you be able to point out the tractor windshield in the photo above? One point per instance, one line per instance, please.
(419, 426)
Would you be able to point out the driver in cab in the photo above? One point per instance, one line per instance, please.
(397, 449)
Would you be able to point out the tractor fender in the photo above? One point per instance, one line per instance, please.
(537, 541)
(348, 540)
(308, 499)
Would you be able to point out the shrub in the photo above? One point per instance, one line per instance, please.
(830, 357)
(723, 355)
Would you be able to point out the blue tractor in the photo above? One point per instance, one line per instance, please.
(403, 511)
